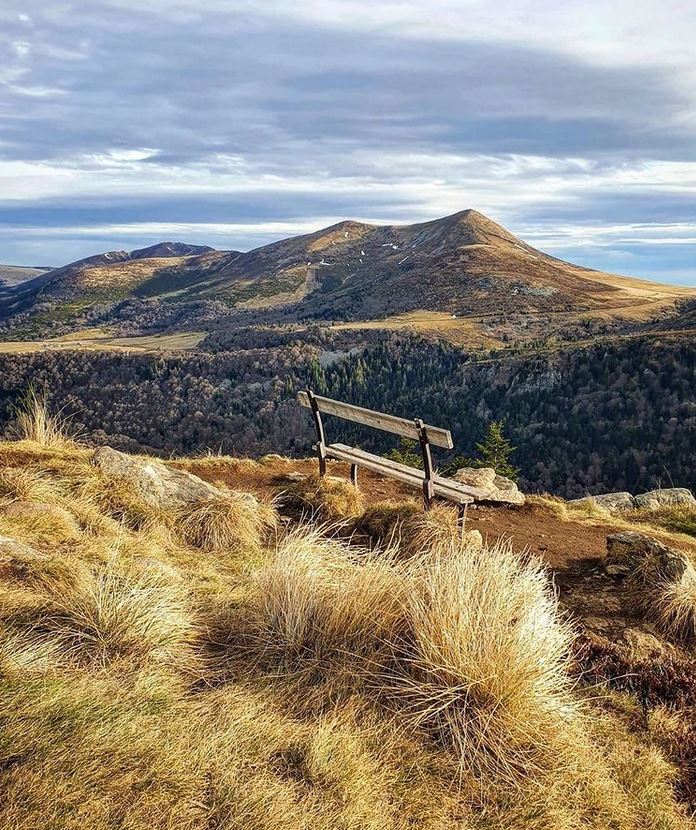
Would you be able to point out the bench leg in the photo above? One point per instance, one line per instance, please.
(354, 475)
(461, 519)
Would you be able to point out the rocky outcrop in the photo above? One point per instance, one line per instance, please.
(158, 485)
(612, 502)
(669, 497)
(494, 488)
(643, 559)
(622, 502)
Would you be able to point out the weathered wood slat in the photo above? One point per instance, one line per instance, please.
(452, 490)
(379, 420)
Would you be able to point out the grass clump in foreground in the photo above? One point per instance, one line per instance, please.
(157, 674)
(405, 526)
(327, 498)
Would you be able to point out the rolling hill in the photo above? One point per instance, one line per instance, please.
(16, 274)
(464, 264)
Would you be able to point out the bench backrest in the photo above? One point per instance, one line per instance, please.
(378, 420)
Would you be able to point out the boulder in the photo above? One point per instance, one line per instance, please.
(158, 485)
(493, 487)
(473, 540)
(669, 497)
(611, 502)
(642, 644)
(643, 558)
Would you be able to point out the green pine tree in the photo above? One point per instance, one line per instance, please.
(496, 451)
(406, 452)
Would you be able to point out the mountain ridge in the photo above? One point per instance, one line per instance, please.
(461, 264)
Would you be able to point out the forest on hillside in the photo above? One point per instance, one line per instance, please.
(591, 419)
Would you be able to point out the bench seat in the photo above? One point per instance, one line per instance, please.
(453, 491)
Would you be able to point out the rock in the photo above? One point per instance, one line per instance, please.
(668, 497)
(642, 644)
(643, 558)
(473, 540)
(158, 485)
(494, 488)
(597, 623)
(295, 477)
(611, 502)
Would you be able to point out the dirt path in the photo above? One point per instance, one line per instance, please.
(533, 527)
(573, 549)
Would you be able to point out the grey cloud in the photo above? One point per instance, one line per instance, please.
(231, 84)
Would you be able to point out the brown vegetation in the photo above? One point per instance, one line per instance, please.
(194, 671)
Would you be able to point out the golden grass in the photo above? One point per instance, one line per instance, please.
(101, 340)
(148, 684)
(673, 604)
(34, 422)
(406, 527)
(326, 498)
(487, 669)
(232, 523)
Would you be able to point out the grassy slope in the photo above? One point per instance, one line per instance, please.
(209, 669)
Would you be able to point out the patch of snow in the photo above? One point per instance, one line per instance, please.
(362, 253)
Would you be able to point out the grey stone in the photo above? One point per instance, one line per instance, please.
(494, 488)
(158, 485)
(643, 558)
(668, 497)
(611, 502)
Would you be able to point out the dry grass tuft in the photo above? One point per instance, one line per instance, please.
(237, 522)
(33, 422)
(674, 605)
(326, 498)
(300, 682)
(487, 668)
(319, 602)
(97, 617)
(25, 484)
(406, 526)
(466, 646)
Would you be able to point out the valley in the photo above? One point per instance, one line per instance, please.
(197, 349)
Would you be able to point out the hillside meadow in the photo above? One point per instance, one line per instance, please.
(223, 666)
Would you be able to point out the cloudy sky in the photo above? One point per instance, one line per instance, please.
(236, 122)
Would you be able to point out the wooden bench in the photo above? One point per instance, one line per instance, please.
(432, 485)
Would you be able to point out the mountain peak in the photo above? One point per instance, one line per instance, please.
(170, 249)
